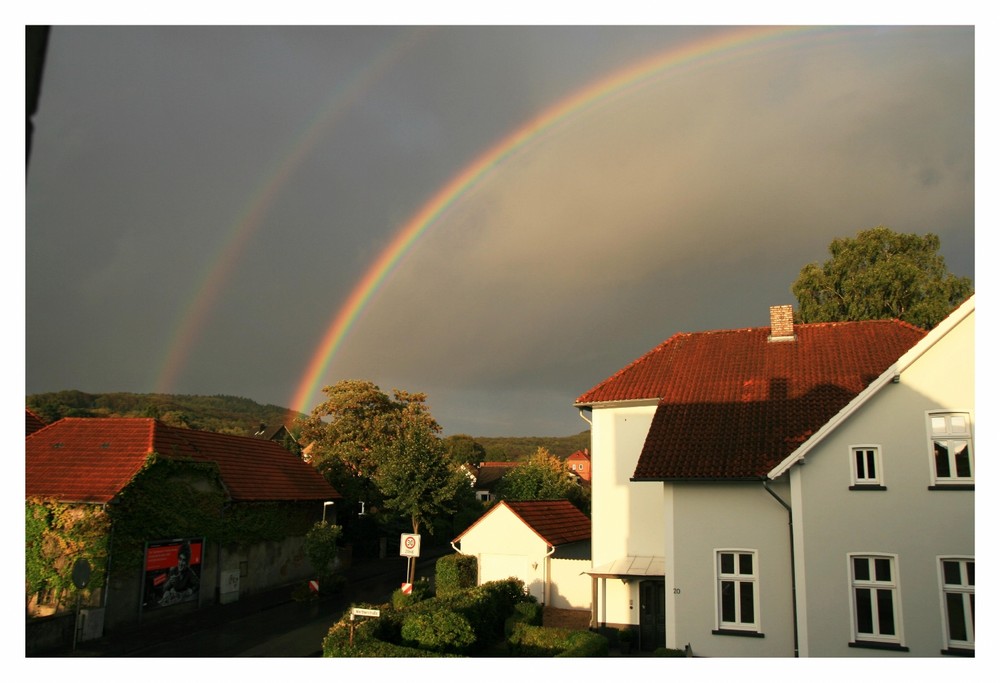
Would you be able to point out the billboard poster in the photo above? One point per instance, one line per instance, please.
(172, 572)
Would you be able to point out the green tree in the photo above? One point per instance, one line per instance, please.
(321, 547)
(464, 450)
(542, 476)
(880, 274)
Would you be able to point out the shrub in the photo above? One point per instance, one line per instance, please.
(442, 631)
(545, 641)
(455, 573)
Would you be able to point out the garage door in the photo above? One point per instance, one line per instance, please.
(497, 567)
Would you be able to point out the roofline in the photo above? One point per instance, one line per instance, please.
(905, 361)
(621, 403)
(523, 521)
(706, 480)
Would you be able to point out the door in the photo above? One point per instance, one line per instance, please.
(652, 614)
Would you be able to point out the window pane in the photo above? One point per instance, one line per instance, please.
(938, 425)
(861, 572)
(863, 609)
(958, 424)
(728, 601)
(953, 573)
(956, 617)
(941, 462)
(728, 563)
(886, 617)
(859, 464)
(963, 467)
(883, 569)
(746, 603)
(871, 464)
(970, 570)
(746, 563)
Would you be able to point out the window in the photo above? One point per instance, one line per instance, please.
(951, 448)
(866, 468)
(875, 601)
(737, 592)
(958, 585)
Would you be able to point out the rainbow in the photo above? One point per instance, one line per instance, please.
(723, 45)
(195, 314)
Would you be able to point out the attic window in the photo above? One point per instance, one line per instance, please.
(105, 445)
(57, 445)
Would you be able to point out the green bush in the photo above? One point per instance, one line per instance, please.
(442, 631)
(544, 641)
(529, 613)
(421, 591)
(455, 573)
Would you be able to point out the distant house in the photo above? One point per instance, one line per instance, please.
(579, 464)
(756, 490)
(235, 508)
(486, 477)
(32, 422)
(545, 543)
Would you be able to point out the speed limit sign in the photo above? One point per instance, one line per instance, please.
(409, 545)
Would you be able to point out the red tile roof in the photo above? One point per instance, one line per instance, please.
(733, 405)
(93, 459)
(32, 423)
(580, 455)
(557, 522)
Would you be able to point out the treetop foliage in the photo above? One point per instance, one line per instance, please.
(880, 274)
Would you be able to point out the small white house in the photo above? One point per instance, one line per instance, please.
(545, 543)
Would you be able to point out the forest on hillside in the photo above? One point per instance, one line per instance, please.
(243, 416)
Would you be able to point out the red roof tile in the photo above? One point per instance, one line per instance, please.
(733, 405)
(557, 522)
(32, 423)
(93, 459)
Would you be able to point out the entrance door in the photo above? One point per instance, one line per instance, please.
(652, 614)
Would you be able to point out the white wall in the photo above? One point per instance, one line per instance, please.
(906, 519)
(625, 518)
(570, 587)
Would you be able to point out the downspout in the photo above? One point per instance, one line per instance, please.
(545, 571)
(582, 417)
(791, 549)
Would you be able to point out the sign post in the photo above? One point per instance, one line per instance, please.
(360, 612)
(409, 546)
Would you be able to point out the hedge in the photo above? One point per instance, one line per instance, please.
(455, 573)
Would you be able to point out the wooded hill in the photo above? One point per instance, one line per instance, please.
(242, 416)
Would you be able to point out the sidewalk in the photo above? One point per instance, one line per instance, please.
(258, 616)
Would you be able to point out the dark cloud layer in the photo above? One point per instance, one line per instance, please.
(689, 203)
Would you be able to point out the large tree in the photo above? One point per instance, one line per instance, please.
(384, 451)
(880, 274)
(542, 476)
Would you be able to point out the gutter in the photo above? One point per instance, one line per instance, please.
(791, 547)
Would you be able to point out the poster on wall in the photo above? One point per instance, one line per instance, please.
(172, 572)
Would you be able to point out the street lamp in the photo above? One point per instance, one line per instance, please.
(326, 504)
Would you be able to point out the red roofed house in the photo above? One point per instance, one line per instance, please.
(704, 499)
(579, 464)
(238, 507)
(32, 423)
(545, 543)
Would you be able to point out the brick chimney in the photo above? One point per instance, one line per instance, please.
(782, 328)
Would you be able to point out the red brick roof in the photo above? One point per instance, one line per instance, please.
(32, 423)
(557, 522)
(580, 455)
(93, 459)
(733, 405)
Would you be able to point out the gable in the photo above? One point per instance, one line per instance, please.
(555, 522)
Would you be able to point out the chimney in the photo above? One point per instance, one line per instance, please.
(781, 324)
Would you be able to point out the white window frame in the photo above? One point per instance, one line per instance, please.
(737, 578)
(968, 592)
(951, 437)
(877, 481)
(874, 585)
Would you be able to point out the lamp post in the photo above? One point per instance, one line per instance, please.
(326, 504)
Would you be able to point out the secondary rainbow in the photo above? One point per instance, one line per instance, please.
(724, 45)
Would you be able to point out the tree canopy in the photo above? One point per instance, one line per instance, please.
(542, 476)
(880, 274)
(383, 451)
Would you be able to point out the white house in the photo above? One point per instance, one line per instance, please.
(695, 498)
(545, 543)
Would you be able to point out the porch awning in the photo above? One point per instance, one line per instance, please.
(630, 566)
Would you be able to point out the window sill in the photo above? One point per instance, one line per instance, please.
(736, 632)
(952, 487)
(867, 487)
(959, 652)
(875, 645)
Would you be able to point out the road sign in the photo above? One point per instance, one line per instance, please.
(314, 586)
(362, 612)
(409, 545)
(407, 588)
